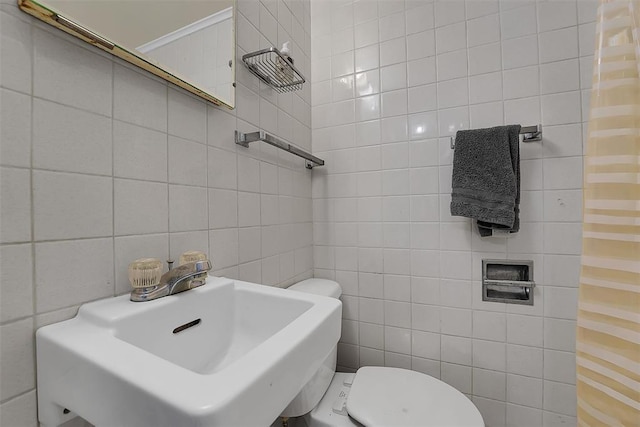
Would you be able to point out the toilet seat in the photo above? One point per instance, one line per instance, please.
(400, 397)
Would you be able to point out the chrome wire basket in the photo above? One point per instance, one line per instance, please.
(270, 66)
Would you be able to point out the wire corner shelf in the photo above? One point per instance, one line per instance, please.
(274, 69)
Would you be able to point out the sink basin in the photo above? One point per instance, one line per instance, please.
(226, 353)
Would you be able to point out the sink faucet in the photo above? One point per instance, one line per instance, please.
(182, 278)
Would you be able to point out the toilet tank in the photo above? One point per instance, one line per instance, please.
(325, 287)
(313, 391)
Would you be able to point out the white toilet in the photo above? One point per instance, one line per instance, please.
(376, 396)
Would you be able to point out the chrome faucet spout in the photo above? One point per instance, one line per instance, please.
(178, 279)
(186, 276)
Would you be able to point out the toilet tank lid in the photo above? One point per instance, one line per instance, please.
(324, 287)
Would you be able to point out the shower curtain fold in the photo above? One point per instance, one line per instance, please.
(608, 326)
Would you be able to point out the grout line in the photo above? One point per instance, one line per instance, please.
(34, 294)
(113, 180)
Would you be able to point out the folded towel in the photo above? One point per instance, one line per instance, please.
(486, 178)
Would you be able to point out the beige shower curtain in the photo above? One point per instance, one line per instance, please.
(608, 334)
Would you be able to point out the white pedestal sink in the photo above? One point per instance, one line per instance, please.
(226, 353)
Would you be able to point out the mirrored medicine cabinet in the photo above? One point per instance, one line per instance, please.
(190, 43)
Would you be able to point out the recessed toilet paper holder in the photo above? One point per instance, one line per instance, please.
(507, 281)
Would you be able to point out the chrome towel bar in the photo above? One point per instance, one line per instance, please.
(531, 134)
(245, 138)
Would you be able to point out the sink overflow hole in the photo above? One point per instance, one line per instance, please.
(186, 326)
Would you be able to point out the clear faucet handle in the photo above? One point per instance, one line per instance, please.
(145, 272)
(192, 256)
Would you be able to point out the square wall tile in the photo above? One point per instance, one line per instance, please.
(457, 376)
(249, 244)
(563, 238)
(518, 22)
(395, 76)
(561, 108)
(559, 334)
(397, 314)
(483, 30)
(521, 82)
(524, 360)
(523, 415)
(58, 286)
(524, 390)
(222, 169)
(220, 129)
(559, 45)
(456, 350)
(187, 162)
(555, 15)
(392, 26)
(248, 174)
(451, 37)
(15, 125)
(448, 13)
(71, 140)
(489, 355)
(15, 210)
(139, 153)
(477, 8)
(489, 384)
(397, 340)
(188, 208)
(485, 59)
(140, 207)
(560, 398)
(457, 322)
(452, 65)
(181, 242)
(71, 205)
(485, 88)
(16, 53)
(187, 116)
(16, 273)
(72, 75)
(493, 412)
(512, 49)
(562, 270)
(366, 34)
(18, 364)
(21, 411)
(420, 18)
(421, 45)
(489, 326)
(425, 345)
(138, 99)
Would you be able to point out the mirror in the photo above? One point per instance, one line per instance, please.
(190, 43)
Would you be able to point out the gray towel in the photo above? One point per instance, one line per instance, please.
(486, 178)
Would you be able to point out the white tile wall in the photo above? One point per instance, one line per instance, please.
(414, 287)
(101, 163)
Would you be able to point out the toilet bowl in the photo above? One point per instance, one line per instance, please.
(376, 396)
